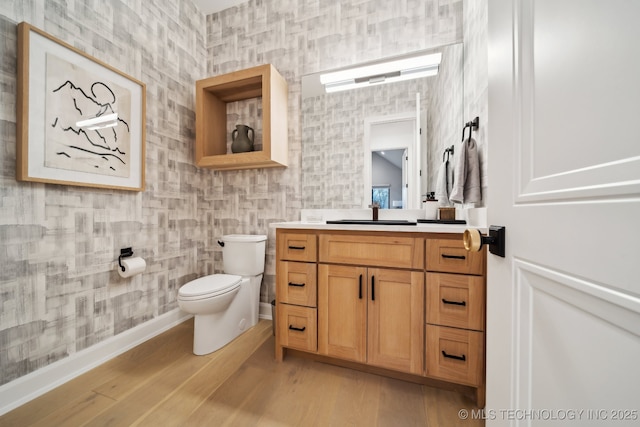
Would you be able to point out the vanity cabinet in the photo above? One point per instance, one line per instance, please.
(371, 315)
(403, 304)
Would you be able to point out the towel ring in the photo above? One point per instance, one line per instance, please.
(473, 124)
(447, 151)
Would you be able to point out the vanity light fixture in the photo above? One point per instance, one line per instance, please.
(384, 72)
(100, 122)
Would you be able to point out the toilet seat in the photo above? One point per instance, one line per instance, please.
(209, 286)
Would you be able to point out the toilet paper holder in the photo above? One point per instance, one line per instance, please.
(124, 253)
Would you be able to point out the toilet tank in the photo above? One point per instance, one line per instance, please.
(243, 254)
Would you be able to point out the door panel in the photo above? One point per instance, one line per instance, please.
(581, 80)
(562, 306)
(342, 311)
(567, 327)
(396, 319)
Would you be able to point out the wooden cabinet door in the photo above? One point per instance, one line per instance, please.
(342, 311)
(395, 319)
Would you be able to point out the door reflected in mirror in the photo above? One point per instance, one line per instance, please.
(389, 144)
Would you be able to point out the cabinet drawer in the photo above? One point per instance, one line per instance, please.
(375, 251)
(297, 247)
(455, 300)
(297, 327)
(450, 256)
(455, 355)
(296, 283)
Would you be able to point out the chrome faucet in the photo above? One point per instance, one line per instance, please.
(374, 210)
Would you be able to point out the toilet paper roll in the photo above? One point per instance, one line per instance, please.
(132, 266)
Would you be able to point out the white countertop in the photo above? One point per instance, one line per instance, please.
(418, 228)
(315, 219)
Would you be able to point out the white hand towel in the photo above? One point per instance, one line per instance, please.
(467, 187)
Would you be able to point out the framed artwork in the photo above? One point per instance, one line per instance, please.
(80, 121)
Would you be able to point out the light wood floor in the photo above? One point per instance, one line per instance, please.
(161, 383)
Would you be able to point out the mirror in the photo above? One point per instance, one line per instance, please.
(338, 127)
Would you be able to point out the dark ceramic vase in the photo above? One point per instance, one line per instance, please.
(242, 142)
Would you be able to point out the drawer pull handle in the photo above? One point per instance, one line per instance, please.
(360, 288)
(293, 328)
(462, 303)
(299, 285)
(453, 356)
(300, 248)
(454, 256)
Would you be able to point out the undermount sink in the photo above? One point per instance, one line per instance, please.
(373, 222)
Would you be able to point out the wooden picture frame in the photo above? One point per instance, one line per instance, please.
(79, 121)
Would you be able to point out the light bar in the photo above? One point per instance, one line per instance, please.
(378, 80)
(386, 72)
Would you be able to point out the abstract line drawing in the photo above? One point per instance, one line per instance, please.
(79, 121)
(73, 96)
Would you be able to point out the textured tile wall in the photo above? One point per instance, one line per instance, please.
(59, 290)
(445, 110)
(476, 78)
(306, 36)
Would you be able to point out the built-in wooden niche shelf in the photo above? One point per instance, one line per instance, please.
(212, 136)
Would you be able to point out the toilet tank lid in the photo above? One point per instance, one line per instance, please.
(244, 238)
(214, 283)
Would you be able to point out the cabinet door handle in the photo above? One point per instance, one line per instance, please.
(360, 288)
(300, 248)
(293, 328)
(462, 303)
(453, 356)
(373, 288)
(454, 256)
(299, 285)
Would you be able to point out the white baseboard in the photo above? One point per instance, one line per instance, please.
(30, 386)
(265, 311)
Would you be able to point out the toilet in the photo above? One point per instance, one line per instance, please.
(226, 305)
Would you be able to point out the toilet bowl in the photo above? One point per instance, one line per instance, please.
(226, 305)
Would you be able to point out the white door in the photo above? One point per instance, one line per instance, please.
(563, 306)
(405, 180)
(392, 132)
(421, 156)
